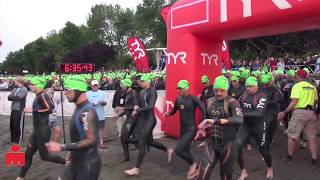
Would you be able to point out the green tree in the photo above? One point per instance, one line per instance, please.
(150, 25)
(70, 36)
(96, 23)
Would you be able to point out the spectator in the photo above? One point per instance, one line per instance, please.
(304, 96)
(118, 101)
(98, 98)
(18, 97)
(281, 64)
(273, 63)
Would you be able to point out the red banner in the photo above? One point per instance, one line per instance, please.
(165, 12)
(225, 56)
(139, 54)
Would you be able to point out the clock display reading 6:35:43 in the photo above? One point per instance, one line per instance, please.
(77, 68)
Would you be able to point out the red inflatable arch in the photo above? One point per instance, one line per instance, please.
(196, 28)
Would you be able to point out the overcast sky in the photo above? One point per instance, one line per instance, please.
(23, 21)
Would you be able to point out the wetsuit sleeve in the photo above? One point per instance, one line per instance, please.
(175, 108)
(90, 137)
(236, 117)
(259, 109)
(210, 94)
(45, 101)
(201, 107)
(276, 98)
(152, 101)
(134, 101)
(115, 101)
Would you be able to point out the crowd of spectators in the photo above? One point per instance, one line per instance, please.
(273, 63)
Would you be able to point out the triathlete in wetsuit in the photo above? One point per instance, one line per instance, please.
(85, 161)
(131, 100)
(225, 117)
(186, 104)
(254, 105)
(236, 90)
(207, 92)
(146, 122)
(274, 97)
(41, 108)
(286, 91)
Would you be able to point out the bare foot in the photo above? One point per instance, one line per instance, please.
(132, 172)
(170, 152)
(249, 148)
(194, 174)
(192, 169)
(243, 175)
(270, 173)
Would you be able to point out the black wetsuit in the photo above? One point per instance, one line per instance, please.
(146, 123)
(41, 108)
(236, 92)
(286, 91)
(254, 109)
(187, 106)
(222, 137)
(85, 159)
(207, 92)
(130, 122)
(273, 108)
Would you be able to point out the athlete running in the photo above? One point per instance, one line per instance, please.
(274, 97)
(186, 104)
(41, 108)
(225, 116)
(254, 103)
(146, 123)
(83, 160)
(130, 101)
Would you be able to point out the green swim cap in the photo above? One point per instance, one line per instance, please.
(76, 82)
(39, 82)
(251, 81)
(291, 73)
(306, 70)
(183, 84)
(221, 82)
(145, 78)
(279, 72)
(256, 73)
(204, 79)
(265, 79)
(235, 73)
(126, 82)
(245, 74)
(235, 78)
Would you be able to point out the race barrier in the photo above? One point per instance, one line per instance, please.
(5, 108)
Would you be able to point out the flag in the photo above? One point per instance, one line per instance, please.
(139, 54)
(225, 56)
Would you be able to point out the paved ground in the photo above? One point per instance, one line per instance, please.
(155, 166)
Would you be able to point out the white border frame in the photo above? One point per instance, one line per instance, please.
(193, 23)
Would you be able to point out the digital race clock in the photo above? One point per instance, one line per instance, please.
(77, 68)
